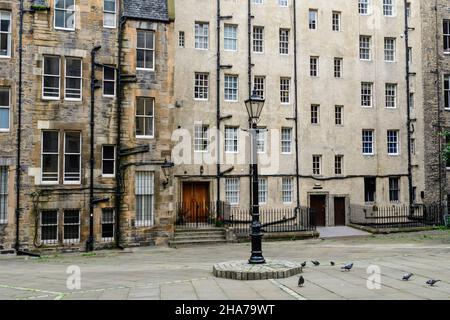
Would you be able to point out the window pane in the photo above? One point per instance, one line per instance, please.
(148, 126)
(110, 5)
(4, 97)
(50, 141)
(51, 66)
(108, 152)
(149, 59)
(149, 40)
(50, 163)
(108, 167)
(73, 67)
(140, 58)
(72, 143)
(109, 73)
(141, 39)
(4, 118)
(139, 126)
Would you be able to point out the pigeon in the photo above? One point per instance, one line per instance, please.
(407, 276)
(432, 282)
(316, 263)
(332, 263)
(301, 281)
(303, 264)
(347, 267)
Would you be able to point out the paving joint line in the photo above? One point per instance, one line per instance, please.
(288, 290)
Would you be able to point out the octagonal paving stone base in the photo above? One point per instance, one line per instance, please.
(242, 270)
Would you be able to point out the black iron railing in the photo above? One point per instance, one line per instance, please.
(201, 214)
(398, 216)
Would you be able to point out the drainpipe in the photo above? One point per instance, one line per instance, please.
(297, 173)
(408, 107)
(218, 105)
(118, 196)
(249, 71)
(90, 242)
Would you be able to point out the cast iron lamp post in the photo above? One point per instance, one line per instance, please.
(254, 107)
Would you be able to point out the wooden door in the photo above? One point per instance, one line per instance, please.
(195, 201)
(317, 203)
(339, 211)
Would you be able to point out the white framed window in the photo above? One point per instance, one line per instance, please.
(201, 86)
(364, 47)
(366, 94)
(286, 140)
(73, 79)
(394, 189)
(145, 50)
(391, 95)
(258, 39)
(72, 157)
(201, 137)
(230, 37)
(285, 90)
(109, 13)
(231, 139)
(145, 117)
(317, 164)
(389, 49)
(364, 7)
(181, 39)
(392, 142)
(108, 161)
(258, 1)
(338, 66)
(261, 137)
(313, 16)
(287, 189)
(5, 109)
(446, 35)
(259, 86)
(314, 66)
(368, 142)
(71, 227)
(339, 115)
(51, 78)
(447, 91)
(201, 35)
(49, 226)
(231, 88)
(389, 8)
(5, 34)
(262, 190)
(284, 41)
(315, 114)
(65, 14)
(336, 21)
(283, 3)
(338, 164)
(144, 192)
(109, 81)
(50, 157)
(3, 194)
(108, 224)
(232, 190)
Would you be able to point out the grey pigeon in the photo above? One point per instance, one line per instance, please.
(303, 264)
(301, 281)
(332, 263)
(316, 263)
(407, 276)
(348, 266)
(432, 282)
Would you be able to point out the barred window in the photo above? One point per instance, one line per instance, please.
(72, 157)
(74, 77)
(5, 34)
(232, 190)
(201, 35)
(391, 95)
(317, 164)
(259, 86)
(144, 192)
(108, 222)
(145, 117)
(201, 86)
(230, 37)
(109, 13)
(364, 47)
(392, 142)
(65, 14)
(367, 142)
(262, 190)
(5, 106)
(231, 88)
(71, 226)
(389, 49)
(181, 39)
(286, 190)
(258, 39)
(201, 138)
(49, 227)
(284, 41)
(3, 194)
(366, 94)
(145, 50)
(231, 139)
(286, 140)
(51, 78)
(285, 84)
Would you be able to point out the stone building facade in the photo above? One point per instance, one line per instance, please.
(60, 41)
(333, 79)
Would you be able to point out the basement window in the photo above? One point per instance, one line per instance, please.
(144, 191)
(49, 227)
(108, 221)
(71, 226)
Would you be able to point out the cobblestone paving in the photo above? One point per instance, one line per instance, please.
(164, 273)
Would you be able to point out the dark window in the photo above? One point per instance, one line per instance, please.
(71, 226)
(107, 224)
(394, 189)
(3, 194)
(49, 226)
(145, 50)
(72, 157)
(108, 159)
(50, 156)
(369, 189)
(109, 81)
(446, 33)
(73, 79)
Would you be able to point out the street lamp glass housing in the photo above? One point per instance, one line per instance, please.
(254, 106)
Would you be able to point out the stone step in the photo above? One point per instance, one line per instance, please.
(199, 236)
(199, 230)
(187, 243)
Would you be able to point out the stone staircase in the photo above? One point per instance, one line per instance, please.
(192, 237)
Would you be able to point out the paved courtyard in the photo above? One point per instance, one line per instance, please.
(186, 273)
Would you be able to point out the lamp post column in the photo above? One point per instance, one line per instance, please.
(256, 234)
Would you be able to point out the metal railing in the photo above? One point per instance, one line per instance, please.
(398, 216)
(201, 214)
